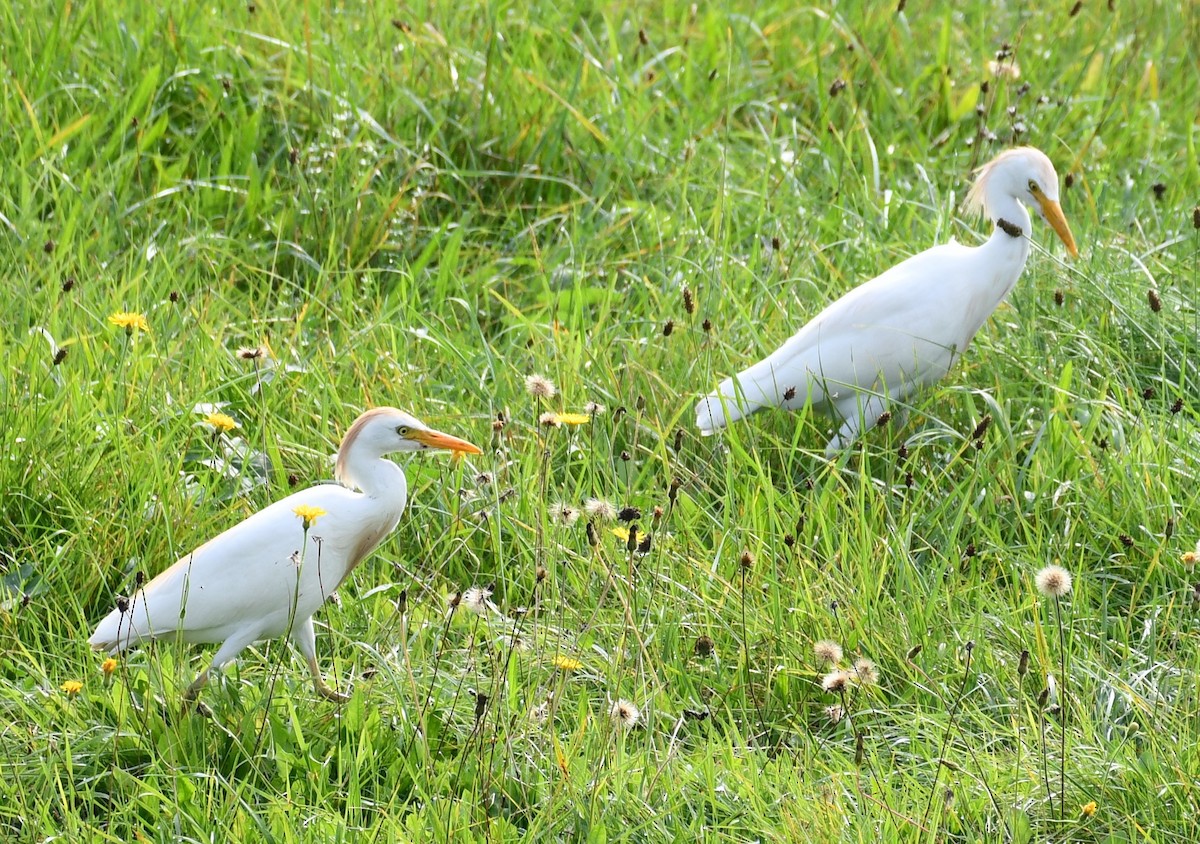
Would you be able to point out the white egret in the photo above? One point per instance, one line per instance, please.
(266, 576)
(903, 329)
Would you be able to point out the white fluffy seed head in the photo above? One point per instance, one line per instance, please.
(563, 514)
(476, 600)
(624, 714)
(540, 387)
(1053, 581)
(600, 509)
(828, 651)
(865, 672)
(836, 681)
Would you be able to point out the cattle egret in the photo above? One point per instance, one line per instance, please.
(265, 577)
(904, 329)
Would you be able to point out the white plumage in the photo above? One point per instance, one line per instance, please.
(903, 329)
(266, 576)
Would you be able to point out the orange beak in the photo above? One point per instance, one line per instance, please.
(436, 439)
(1053, 213)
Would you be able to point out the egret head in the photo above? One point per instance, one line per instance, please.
(1024, 174)
(384, 430)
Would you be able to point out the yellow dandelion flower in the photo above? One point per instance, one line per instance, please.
(72, 687)
(574, 418)
(620, 533)
(130, 321)
(308, 513)
(220, 422)
(566, 663)
(1088, 809)
(108, 666)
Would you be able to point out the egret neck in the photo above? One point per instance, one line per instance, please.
(1006, 251)
(377, 478)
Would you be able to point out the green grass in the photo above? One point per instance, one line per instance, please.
(422, 205)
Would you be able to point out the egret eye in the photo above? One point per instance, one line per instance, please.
(1033, 187)
(402, 430)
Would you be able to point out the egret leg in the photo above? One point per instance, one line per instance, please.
(193, 691)
(860, 415)
(197, 685)
(230, 648)
(305, 638)
(846, 434)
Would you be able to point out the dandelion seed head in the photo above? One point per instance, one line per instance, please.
(540, 713)
(1004, 69)
(549, 419)
(828, 651)
(563, 514)
(865, 672)
(835, 681)
(477, 600)
(1053, 581)
(252, 352)
(599, 508)
(593, 408)
(834, 713)
(624, 714)
(540, 387)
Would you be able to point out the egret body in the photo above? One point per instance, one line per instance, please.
(266, 576)
(903, 329)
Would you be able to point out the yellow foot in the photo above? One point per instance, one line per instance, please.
(329, 694)
(190, 702)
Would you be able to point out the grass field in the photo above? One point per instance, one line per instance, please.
(421, 206)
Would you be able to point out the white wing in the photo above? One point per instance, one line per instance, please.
(257, 579)
(890, 335)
